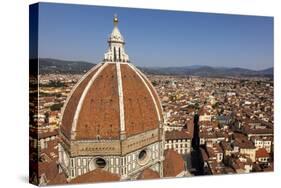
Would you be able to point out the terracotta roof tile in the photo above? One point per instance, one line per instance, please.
(140, 111)
(173, 163)
(48, 169)
(97, 175)
(154, 93)
(47, 134)
(261, 153)
(58, 179)
(176, 134)
(99, 116)
(73, 101)
(99, 113)
(148, 174)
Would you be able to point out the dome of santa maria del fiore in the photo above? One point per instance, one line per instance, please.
(111, 103)
(112, 120)
(110, 99)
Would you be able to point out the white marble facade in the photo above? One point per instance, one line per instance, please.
(127, 166)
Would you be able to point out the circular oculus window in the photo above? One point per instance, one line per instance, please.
(100, 163)
(97, 163)
(143, 157)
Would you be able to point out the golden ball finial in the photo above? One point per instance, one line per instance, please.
(115, 20)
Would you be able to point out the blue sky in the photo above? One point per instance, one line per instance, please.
(156, 37)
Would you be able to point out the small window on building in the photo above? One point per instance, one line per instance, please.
(72, 162)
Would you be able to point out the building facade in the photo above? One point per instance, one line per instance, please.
(179, 141)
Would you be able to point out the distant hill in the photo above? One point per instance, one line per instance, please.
(198, 70)
(268, 71)
(48, 65)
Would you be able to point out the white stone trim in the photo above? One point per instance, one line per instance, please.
(107, 141)
(154, 102)
(152, 88)
(121, 97)
(74, 88)
(79, 106)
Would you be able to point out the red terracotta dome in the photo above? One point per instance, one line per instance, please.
(112, 98)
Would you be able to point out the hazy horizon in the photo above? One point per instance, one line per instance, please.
(175, 66)
(156, 38)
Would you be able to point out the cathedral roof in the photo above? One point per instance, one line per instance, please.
(97, 175)
(148, 174)
(173, 163)
(109, 99)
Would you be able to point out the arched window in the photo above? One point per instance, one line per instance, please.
(114, 54)
(119, 54)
